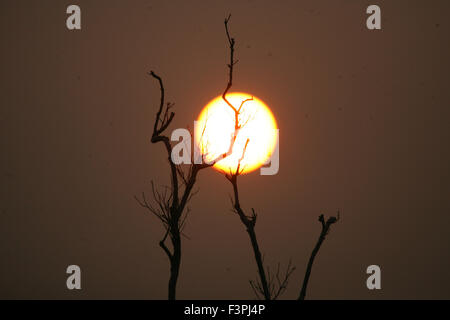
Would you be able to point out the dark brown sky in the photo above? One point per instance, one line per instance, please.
(363, 119)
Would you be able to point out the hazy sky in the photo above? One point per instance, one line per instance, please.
(363, 118)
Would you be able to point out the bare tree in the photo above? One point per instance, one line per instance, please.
(170, 204)
(270, 285)
(267, 288)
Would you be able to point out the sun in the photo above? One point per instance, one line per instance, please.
(216, 125)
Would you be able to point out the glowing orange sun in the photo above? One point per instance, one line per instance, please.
(216, 125)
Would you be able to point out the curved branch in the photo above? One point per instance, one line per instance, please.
(158, 137)
(162, 244)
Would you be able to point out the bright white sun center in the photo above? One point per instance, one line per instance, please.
(216, 125)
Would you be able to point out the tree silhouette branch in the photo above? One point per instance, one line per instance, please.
(158, 137)
(267, 289)
(276, 281)
(249, 222)
(171, 208)
(325, 229)
(231, 42)
(162, 244)
(168, 208)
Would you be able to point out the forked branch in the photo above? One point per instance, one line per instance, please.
(325, 229)
(159, 126)
(170, 206)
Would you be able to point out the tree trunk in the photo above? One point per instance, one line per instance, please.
(258, 258)
(175, 263)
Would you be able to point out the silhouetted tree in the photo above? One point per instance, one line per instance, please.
(270, 285)
(170, 205)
